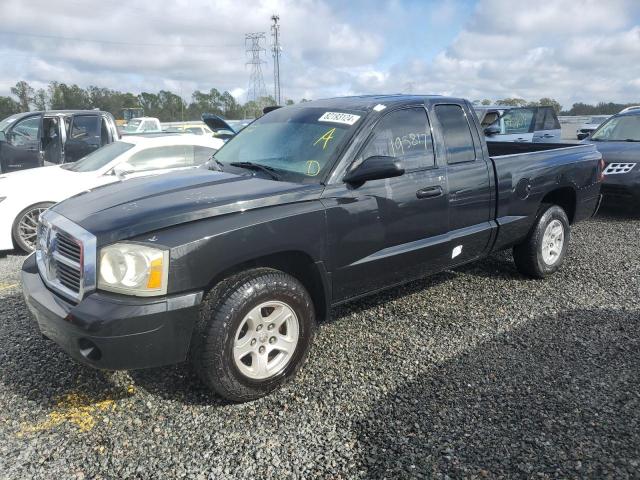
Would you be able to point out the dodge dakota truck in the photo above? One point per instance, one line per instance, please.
(231, 266)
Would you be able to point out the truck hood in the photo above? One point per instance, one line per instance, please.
(138, 206)
(624, 152)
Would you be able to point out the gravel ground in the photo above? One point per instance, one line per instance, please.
(476, 372)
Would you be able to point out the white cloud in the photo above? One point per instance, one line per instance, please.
(571, 50)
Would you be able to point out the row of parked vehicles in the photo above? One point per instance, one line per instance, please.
(232, 264)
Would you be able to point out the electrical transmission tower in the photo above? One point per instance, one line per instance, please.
(275, 34)
(253, 45)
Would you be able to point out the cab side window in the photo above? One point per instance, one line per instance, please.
(404, 134)
(84, 127)
(551, 120)
(25, 133)
(458, 141)
(159, 158)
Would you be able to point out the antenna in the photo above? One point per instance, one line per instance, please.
(275, 35)
(254, 49)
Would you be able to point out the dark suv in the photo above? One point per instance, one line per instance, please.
(34, 139)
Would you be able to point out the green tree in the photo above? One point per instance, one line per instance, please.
(24, 92)
(512, 102)
(65, 97)
(486, 101)
(40, 99)
(8, 106)
(289, 102)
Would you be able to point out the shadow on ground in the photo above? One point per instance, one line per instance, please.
(558, 397)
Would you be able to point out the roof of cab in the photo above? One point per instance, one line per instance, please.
(367, 102)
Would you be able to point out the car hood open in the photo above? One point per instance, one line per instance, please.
(135, 207)
(215, 123)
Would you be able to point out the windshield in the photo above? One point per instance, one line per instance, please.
(623, 128)
(298, 142)
(4, 124)
(132, 126)
(596, 120)
(98, 159)
(517, 120)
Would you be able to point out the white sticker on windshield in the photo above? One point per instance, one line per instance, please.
(337, 117)
(379, 107)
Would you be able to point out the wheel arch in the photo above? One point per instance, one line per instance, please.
(297, 263)
(565, 197)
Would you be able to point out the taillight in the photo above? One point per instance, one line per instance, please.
(601, 167)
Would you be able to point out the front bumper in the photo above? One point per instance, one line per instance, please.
(622, 188)
(113, 332)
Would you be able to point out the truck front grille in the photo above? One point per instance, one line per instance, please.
(65, 255)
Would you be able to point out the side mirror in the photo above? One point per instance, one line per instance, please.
(121, 170)
(374, 168)
(492, 130)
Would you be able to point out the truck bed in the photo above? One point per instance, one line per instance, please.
(524, 172)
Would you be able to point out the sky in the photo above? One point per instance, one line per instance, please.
(570, 50)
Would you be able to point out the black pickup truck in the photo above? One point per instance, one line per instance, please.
(310, 206)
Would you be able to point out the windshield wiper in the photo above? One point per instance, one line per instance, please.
(256, 166)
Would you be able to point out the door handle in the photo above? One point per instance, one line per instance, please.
(429, 192)
(548, 135)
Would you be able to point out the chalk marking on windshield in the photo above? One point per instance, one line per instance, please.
(313, 168)
(326, 138)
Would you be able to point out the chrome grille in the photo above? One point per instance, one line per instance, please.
(618, 168)
(66, 256)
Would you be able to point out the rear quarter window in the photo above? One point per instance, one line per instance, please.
(458, 141)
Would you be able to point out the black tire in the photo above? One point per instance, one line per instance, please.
(528, 255)
(222, 314)
(15, 229)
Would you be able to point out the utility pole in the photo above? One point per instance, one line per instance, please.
(275, 34)
(253, 45)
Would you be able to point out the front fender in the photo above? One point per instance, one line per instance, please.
(202, 250)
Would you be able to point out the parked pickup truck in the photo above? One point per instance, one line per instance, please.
(54, 137)
(310, 206)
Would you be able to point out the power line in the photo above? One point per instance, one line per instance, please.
(275, 34)
(254, 49)
(116, 42)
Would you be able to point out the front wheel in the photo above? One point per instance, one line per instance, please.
(543, 251)
(25, 226)
(254, 334)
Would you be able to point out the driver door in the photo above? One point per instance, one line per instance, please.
(389, 231)
(22, 146)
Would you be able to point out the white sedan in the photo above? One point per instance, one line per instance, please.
(24, 195)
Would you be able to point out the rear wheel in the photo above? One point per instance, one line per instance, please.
(544, 250)
(25, 226)
(254, 334)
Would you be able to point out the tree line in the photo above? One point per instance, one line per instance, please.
(165, 105)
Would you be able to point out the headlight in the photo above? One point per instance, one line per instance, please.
(134, 269)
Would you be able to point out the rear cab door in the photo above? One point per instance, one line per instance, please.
(84, 136)
(470, 181)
